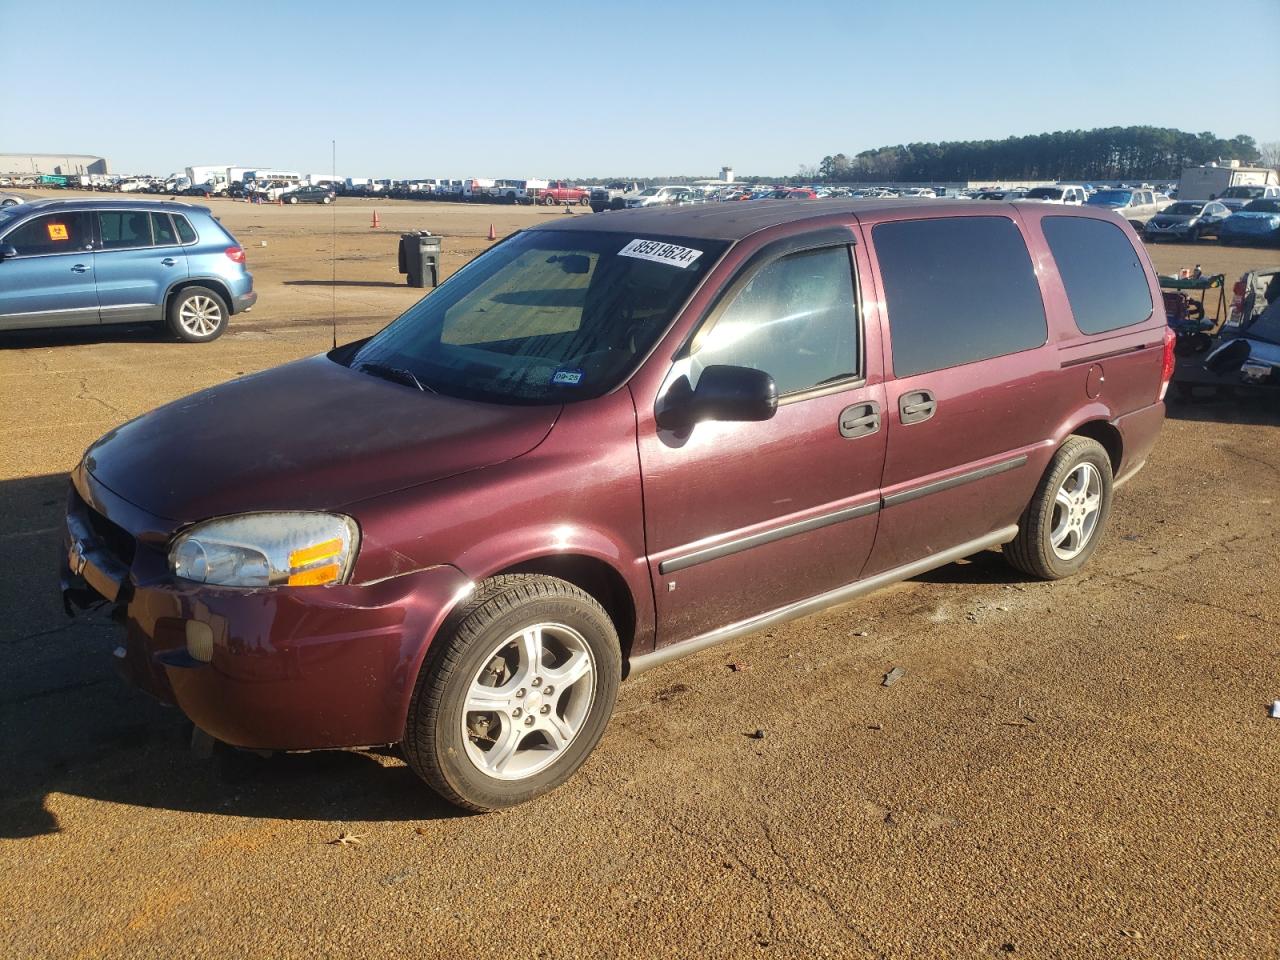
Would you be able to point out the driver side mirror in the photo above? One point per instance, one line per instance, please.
(726, 393)
(8, 251)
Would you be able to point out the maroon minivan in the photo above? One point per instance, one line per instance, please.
(606, 443)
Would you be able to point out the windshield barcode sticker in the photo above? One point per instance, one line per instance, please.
(659, 252)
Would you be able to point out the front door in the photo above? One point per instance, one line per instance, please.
(744, 518)
(138, 259)
(50, 282)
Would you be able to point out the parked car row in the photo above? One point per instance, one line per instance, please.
(1257, 221)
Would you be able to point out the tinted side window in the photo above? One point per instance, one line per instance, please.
(1103, 274)
(121, 229)
(52, 233)
(185, 233)
(162, 228)
(958, 290)
(796, 319)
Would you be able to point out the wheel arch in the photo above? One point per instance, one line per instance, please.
(594, 576)
(1107, 434)
(217, 286)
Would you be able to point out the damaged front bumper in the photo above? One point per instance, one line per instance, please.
(281, 668)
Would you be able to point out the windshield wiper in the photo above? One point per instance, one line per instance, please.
(395, 374)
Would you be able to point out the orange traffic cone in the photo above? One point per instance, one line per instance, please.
(376, 222)
(492, 235)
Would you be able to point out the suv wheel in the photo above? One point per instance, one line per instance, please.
(512, 700)
(197, 315)
(1060, 528)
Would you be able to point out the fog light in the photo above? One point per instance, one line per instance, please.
(199, 641)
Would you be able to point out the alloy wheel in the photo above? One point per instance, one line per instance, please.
(528, 701)
(200, 315)
(1077, 505)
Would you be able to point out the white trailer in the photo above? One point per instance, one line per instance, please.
(1208, 182)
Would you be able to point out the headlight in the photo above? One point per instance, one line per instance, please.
(267, 549)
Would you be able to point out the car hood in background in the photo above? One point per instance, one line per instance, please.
(310, 435)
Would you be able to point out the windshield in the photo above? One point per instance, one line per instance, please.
(1242, 192)
(1044, 193)
(651, 192)
(1111, 198)
(545, 317)
(1184, 209)
(1263, 206)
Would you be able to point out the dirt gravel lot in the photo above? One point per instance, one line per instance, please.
(1079, 769)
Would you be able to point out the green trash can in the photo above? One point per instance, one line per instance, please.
(419, 258)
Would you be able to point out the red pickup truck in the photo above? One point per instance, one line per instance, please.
(560, 191)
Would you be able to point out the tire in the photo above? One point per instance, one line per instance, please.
(488, 641)
(584, 202)
(293, 200)
(197, 315)
(550, 200)
(327, 200)
(1033, 551)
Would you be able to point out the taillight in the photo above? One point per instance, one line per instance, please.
(1166, 362)
(235, 253)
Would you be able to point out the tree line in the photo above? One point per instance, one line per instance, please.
(1109, 153)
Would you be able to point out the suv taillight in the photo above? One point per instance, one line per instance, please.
(235, 253)
(1166, 362)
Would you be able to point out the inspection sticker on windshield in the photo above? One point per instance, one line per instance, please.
(659, 252)
(568, 377)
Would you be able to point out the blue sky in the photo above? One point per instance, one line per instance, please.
(549, 89)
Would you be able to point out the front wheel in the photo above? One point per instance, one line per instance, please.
(514, 698)
(293, 200)
(327, 200)
(1060, 528)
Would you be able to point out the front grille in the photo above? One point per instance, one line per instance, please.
(117, 540)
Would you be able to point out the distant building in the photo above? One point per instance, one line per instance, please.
(63, 164)
(726, 174)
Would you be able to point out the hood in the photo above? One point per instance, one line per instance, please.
(1164, 219)
(310, 435)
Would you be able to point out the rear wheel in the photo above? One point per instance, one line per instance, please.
(1061, 526)
(514, 699)
(197, 315)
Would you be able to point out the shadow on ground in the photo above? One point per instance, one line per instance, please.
(74, 336)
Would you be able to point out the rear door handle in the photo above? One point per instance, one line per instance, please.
(860, 420)
(79, 268)
(168, 261)
(916, 406)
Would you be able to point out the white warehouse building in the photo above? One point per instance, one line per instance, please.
(59, 164)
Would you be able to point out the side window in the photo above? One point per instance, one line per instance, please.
(796, 319)
(163, 230)
(185, 233)
(52, 233)
(958, 290)
(1106, 283)
(121, 229)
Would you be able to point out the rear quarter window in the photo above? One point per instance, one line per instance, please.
(1106, 284)
(958, 290)
(185, 232)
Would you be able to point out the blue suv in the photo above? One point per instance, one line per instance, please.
(69, 263)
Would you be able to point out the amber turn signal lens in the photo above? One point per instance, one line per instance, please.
(321, 551)
(315, 576)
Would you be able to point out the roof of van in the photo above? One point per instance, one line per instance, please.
(734, 220)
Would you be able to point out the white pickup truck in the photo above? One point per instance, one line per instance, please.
(1069, 195)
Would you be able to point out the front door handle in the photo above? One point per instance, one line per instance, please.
(168, 261)
(860, 420)
(916, 407)
(79, 268)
